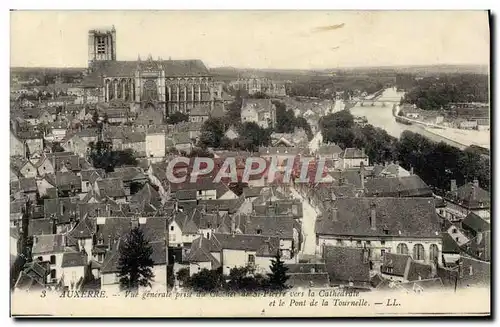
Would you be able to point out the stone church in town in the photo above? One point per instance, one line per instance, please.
(165, 85)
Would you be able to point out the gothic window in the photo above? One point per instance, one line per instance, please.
(418, 252)
(402, 249)
(150, 91)
(101, 45)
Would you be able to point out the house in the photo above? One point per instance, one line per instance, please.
(50, 248)
(24, 188)
(199, 114)
(353, 157)
(66, 183)
(33, 140)
(23, 167)
(17, 146)
(283, 227)
(259, 111)
(401, 267)
(110, 235)
(78, 142)
(409, 186)
(112, 188)
(134, 140)
(73, 268)
(63, 212)
(57, 131)
(390, 170)
(33, 277)
(347, 266)
(468, 198)
(233, 251)
(474, 272)
(133, 178)
(88, 178)
(182, 142)
(329, 152)
(397, 225)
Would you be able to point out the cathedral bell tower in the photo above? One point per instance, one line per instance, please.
(102, 45)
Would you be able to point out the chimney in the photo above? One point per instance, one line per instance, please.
(373, 216)
(473, 191)
(135, 222)
(411, 171)
(453, 187)
(476, 183)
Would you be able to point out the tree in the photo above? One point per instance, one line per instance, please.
(207, 280)
(177, 117)
(183, 275)
(135, 263)
(252, 136)
(278, 276)
(212, 131)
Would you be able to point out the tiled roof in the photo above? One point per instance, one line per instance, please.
(200, 252)
(112, 187)
(306, 268)
(401, 217)
(172, 68)
(353, 153)
(449, 244)
(257, 104)
(65, 181)
(410, 186)
(328, 149)
(263, 245)
(84, 229)
(54, 243)
(40, 227)
(346, 264)
(419, 271)
(62, 209)
(308, 280)
(470, 196)
(395, 264)
(147, 195)
(475, 223)
(128, 174)
(281, 227)
(74, 259)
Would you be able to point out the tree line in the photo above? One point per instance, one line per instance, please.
(436, 163)
(437, 92)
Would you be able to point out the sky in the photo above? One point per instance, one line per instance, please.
(257, 39)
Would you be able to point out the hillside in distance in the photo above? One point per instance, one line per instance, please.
(231, 73)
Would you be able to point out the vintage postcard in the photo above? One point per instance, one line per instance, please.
(250, 163)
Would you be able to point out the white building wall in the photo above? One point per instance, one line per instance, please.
(155, 145)
(72, 275)
(376, 245)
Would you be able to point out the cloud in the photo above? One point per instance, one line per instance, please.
(328, 28)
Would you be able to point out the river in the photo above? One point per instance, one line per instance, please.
(382, 117)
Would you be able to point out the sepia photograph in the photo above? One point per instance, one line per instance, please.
(264, 164)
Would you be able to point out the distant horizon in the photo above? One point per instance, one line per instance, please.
(284, 69)
(279, 40)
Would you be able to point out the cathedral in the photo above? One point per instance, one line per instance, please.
(166, 85)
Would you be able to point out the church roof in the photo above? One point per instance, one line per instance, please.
(172, 68)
